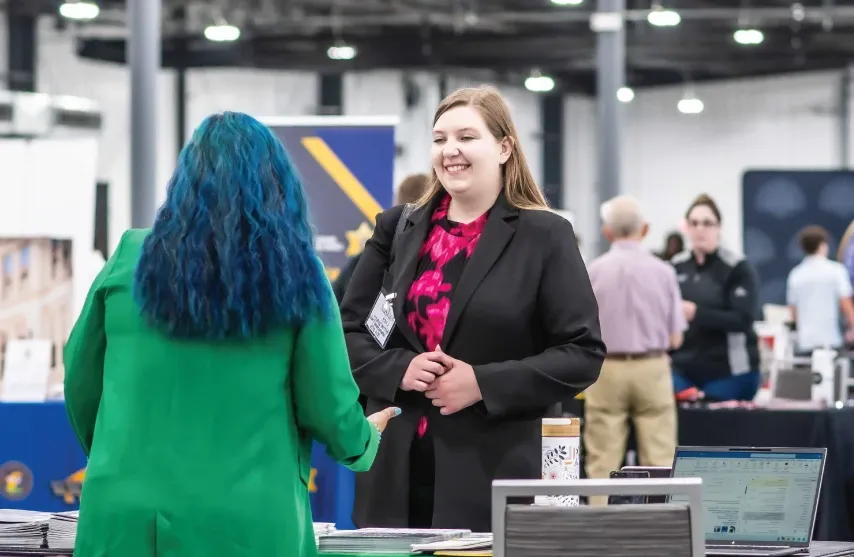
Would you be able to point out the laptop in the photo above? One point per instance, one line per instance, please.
(757, 501)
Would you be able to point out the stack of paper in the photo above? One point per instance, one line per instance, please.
(383, 541)
(23, 529)
(473, 544)
(321, 528)
(62, 530)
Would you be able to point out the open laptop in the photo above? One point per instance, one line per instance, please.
(757, 501)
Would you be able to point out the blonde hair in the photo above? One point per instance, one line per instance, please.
(519, 186)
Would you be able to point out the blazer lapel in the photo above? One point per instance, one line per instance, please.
(407, 247)
(494, 238)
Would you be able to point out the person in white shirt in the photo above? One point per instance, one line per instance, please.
(816, 291)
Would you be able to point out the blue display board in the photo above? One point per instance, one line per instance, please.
(777, 205)
(347, 166)
(41, 462)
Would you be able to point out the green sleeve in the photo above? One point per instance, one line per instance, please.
(84, 360)
(326, 396)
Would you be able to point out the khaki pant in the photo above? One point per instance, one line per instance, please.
(638, 389)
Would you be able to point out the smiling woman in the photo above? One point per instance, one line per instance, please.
(483, 338)
(476, 153)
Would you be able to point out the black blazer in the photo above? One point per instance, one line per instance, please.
(523, 316)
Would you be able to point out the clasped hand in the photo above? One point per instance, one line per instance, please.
(449, 383)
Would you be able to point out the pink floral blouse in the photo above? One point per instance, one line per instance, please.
(442, 258)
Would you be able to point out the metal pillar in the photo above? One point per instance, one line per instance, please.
(331, 94)
(180, 107)
(609, 24)
(180, 16)
(845, 117)
(21, 24)
(551, 111)
(143, 48)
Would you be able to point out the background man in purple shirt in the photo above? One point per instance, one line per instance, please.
(640, 311)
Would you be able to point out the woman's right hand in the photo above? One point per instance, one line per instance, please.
(381, 418)
(423, 369)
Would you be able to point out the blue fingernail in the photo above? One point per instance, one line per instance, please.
(397, 411)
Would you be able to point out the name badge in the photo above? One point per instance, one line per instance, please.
(380, 322)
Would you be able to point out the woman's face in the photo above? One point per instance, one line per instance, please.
(703, 229)
(465, 156)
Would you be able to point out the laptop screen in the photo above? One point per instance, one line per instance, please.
(761, 496)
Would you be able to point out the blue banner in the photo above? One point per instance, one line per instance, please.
(41, 463)
(347, 166)
(777, 205)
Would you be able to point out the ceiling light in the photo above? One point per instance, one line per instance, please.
(222, 33)
(567, 2)
(625, 94)
(690, 105)
(341, 51)
(539, 83)
(79, 10)
(663, 18)
(748, 37)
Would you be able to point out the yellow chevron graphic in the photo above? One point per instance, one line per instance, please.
(342, 176)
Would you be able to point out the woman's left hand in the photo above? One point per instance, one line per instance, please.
(456, 389)
(690, 309)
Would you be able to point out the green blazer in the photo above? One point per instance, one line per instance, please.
(202, 449)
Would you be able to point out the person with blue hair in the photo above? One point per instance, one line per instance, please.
(208, 355)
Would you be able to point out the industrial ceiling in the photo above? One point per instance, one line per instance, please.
(511, 38)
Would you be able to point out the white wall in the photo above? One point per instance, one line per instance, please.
(43, 181)
(381, 93)
(61, 72)
(669, 158)
(258, 93)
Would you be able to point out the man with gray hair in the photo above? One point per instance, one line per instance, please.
(640, 311)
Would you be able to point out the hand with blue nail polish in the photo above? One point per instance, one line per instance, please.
(380, 419)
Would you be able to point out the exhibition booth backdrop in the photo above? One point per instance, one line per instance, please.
(777, 205)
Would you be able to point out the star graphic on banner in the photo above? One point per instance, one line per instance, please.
(332, 273)
(356, 239)
(312, 481)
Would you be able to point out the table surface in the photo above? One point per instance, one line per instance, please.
(817, 548)
(361, 555)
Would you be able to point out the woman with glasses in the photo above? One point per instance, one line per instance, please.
(719, 358)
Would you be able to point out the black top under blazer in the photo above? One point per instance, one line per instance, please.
(523, 315)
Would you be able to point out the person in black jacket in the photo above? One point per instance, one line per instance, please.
(493, 321)
(409, 191)
(720, 354)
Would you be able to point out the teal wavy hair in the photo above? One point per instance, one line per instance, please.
(231, 253)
